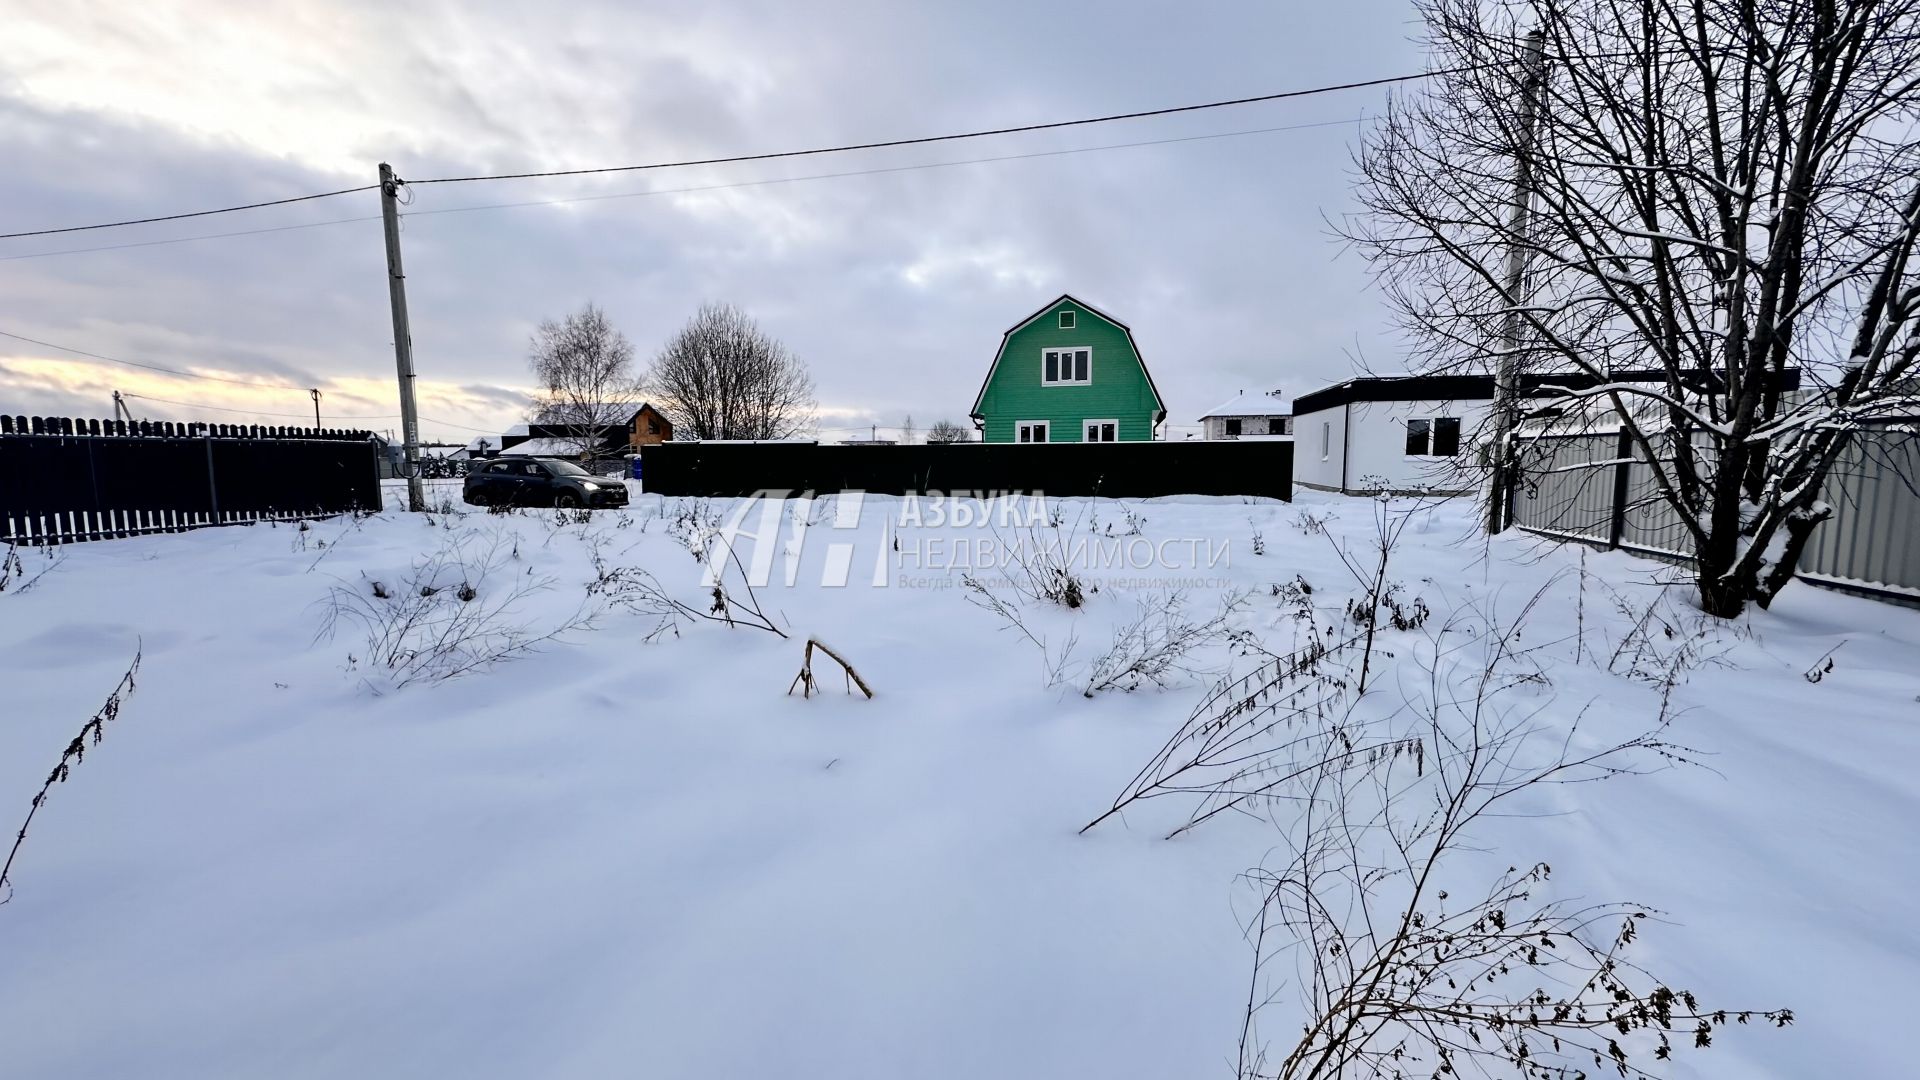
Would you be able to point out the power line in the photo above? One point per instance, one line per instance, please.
(299, 416)
(186, 239)
(189, 214)
(463, 427)
(251, 412)
(879, 171)
(846, 148)
(925, 139)
(697, 188)
(150, 367)
(216, 378)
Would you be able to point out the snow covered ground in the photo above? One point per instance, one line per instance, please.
(622, 856)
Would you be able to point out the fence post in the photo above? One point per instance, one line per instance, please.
(1623, 464)
(1508, 493)
(213, 487)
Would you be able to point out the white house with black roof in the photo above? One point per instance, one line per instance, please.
(1408, 433)
(1403, 432)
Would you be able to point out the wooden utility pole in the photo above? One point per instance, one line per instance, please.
(1506, 378)
(315, 394)
(402, 336)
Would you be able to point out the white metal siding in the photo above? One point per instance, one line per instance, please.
(1308, 468)
(1377, 445)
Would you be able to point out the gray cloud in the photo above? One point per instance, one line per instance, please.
(894, 286)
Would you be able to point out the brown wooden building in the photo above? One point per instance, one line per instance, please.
(644, 426)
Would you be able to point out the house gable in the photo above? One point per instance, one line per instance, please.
(649, 426)
(1119, 388)
(638, 425)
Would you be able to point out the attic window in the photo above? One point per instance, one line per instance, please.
(1066, 367)
(1066, 320)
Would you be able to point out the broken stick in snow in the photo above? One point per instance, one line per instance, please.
(805, 680)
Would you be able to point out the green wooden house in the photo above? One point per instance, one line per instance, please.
(1068, 373)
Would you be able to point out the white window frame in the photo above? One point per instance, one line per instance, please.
(1085, 424)
(1326, 438)
(1406, 432)
(1433, 423)
(1069, 350)
(1046, 427)
(1070, 320)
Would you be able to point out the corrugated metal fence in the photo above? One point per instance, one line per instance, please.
(1596, 488)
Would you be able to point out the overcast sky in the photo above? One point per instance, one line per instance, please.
(894, 286)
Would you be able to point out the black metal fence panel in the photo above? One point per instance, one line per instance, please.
(1113, 470)
(64, 480)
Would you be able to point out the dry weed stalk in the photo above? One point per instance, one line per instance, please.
(637, 590)
(455, 612)
(13, 569)
(1400, 970)
(1160, 643)
(1254, 735)
(90, 734)
(805, 682)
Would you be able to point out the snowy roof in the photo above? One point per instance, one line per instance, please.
(606, 412)
(1252, 403)
(568, 448)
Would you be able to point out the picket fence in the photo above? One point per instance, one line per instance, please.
(64, 480)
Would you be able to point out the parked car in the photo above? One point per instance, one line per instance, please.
(539, 482)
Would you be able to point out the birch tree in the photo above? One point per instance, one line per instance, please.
(1725, 193)
(584, 369)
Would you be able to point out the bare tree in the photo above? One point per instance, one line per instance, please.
(946, 431)
(1725, 193)
(908, 433)
(722, 377)
(584, 368)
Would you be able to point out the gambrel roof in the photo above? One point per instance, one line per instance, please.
(1160, 405)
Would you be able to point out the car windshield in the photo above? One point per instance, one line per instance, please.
(566, 468)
